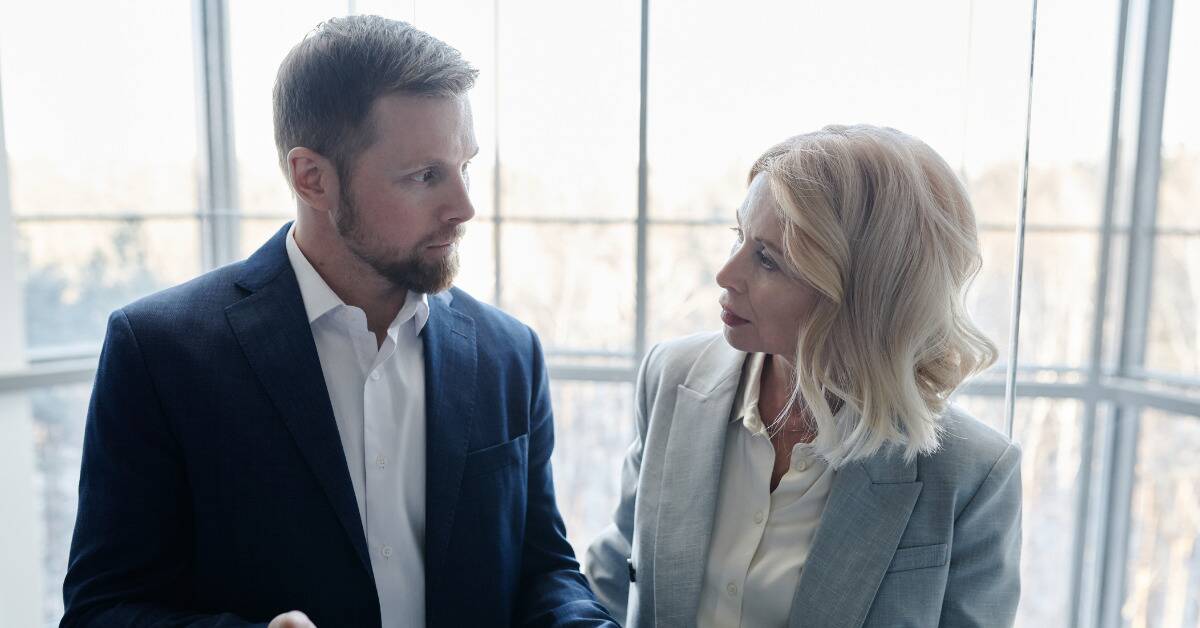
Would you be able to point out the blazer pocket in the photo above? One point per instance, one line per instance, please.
(909, 558)
(488, 459)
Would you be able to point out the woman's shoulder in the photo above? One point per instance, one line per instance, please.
(970, 451)
(700, 356)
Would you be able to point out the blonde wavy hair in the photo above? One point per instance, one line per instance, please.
(879, 225)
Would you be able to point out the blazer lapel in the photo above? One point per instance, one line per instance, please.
(691, 481)
(451, 360)
(273, 330)
(868, 509)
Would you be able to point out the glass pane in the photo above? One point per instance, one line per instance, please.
(43, 434)
(1068, 146)
(1179, 186)
(683, 291)
(726, 84)
(1050, 434)
(477, 273)
(567, 108)
(260, 35)
(95, 124)
(1173, 337)
(1163, 566)
(1057, 301)
(593, 424)
(254, 232)
(573, 284)
(77, 272)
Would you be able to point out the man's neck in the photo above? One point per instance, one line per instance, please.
(353, 281)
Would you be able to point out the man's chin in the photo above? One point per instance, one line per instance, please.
(424, 277)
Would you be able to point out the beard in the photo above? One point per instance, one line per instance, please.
(406, 271)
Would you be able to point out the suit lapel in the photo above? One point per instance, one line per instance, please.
(691, 481)
(273, 330)
(451, 360)
(868, 509)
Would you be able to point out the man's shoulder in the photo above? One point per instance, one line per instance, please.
(489, 319)
(195, 300)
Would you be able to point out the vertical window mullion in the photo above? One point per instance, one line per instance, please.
(641, 264)
(1121, 449)
(218, 164)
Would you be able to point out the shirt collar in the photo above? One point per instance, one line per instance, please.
(747, 402)
(319, 299)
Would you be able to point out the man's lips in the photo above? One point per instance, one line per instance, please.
(731, 319)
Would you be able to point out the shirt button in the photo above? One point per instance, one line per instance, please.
(387, 551)
(758, 517)
(375, 375)
(381, 460)
(731, 589)
(801, 465)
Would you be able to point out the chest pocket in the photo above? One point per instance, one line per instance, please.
(495, 457)
(909, 558)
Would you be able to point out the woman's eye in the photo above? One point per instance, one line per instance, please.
(765, 261)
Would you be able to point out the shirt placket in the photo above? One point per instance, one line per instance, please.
(379, 435)
(755, 504)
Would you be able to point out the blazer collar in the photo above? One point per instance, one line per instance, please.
(451, 391)
(867, 512)
(272, 327)
(692, 461)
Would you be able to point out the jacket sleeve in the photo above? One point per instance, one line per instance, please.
(131, 551)
(984, 583)
(553, 592)
(608, 556)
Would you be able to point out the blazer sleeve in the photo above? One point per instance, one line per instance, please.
(553, 592)
(984, 582)
(130, 554)
(607, 558)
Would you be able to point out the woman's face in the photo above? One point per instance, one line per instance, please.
(763, 302)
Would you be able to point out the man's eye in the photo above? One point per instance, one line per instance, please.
(737, 232)
(465, 166)
(427, 175)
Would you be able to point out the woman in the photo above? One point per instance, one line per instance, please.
(805, 469)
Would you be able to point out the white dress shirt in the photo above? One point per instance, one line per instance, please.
(760, 538)
(378, 398)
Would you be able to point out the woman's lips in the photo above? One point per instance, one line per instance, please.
(731, 319)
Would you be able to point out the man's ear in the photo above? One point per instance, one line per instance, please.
(313, 178)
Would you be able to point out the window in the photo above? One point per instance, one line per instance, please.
(602, 216)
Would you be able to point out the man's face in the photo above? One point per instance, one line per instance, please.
(402, 210)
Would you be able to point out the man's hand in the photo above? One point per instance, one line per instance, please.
(293, 619)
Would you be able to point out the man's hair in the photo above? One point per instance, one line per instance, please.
(878, 224)
(328, 82)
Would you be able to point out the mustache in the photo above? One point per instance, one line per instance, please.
(453, 234)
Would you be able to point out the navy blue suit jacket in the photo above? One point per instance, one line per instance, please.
(214, 490)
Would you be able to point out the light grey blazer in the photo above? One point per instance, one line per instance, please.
(934, 542)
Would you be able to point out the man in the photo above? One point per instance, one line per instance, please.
(323, 434)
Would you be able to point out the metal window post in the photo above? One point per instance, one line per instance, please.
(643, 213)
(1082, 589)
(1120, 447)
(21, 581)
(218, 163)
